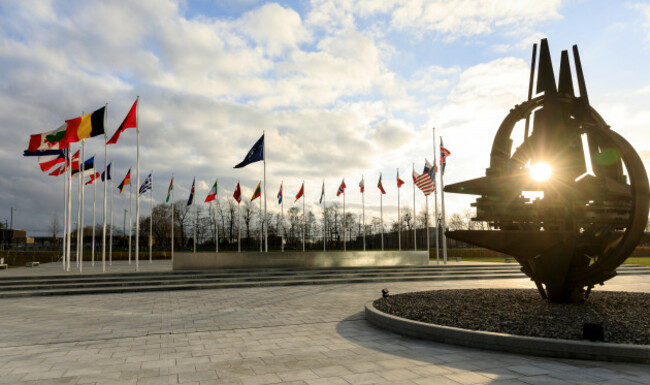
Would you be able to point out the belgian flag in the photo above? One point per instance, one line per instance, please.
(85, 126)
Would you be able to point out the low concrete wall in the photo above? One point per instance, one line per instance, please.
(545, 347)
(199, 261)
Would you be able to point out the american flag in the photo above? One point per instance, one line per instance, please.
(424, 183)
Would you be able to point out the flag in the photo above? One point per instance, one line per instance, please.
(322, 194)
(444, 153)
(106, 174)
(280, 195)
(169, 190)
(42, 152)
(424, 182)
(47, 162)
(85, 126)
(88, 166)
(399, 181)
(380, 186)
(93, 178)
(58, 171)
(237, 193)
(146, 185)
(430, 170)
(127, 180)
(128, 122)
(255, 154)
(191, 198)
(342, 187)
(258, 192)
(212, 195)
(51, 140)
(362, 186)
(74, 163)
(301, 192)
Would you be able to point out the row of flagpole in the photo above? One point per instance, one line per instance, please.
(56, 143)
(253, 156)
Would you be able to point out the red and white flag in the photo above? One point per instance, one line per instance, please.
(424, 182)
(362, 186)
(301, 192)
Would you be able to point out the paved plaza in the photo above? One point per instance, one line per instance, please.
(312, 334)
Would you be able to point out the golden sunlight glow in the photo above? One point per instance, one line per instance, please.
(540, 171)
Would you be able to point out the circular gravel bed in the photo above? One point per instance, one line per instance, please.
(625, 317)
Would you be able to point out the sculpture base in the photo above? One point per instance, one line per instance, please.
(243, 260)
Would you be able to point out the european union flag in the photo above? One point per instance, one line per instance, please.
(254, 155)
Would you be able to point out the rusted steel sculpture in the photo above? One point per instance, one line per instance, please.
(595, 200)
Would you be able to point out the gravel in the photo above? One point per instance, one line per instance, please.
(625, 317)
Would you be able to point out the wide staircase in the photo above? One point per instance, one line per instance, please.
(26, 286)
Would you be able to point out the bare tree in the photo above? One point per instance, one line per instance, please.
(54, 229)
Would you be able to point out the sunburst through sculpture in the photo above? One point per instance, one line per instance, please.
(595, 188)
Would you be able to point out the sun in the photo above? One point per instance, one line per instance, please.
(540, 171)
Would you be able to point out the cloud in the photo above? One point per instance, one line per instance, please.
(274, 28)
(471, 17)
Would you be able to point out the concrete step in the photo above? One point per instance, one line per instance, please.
(171, 280)
(145, 287)
(212, 279)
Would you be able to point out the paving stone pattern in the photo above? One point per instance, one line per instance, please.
(290, 335)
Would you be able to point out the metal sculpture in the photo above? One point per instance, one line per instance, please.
(595, 200)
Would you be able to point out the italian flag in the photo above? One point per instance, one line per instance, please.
(380, 186)
(169, 190)
(258, 192)
(212, 195)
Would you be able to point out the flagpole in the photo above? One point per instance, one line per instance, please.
(415, 231)
(137, 181)
(324, 218)
(426, 222)
(130, 217)
(172, 221)
(83, 191)
(363, 211)
(196, 216)
(442, 199)
(399, 220)
(92, 253)
(78, 206)
(65, 208)
(216, 222)
(261, 228)
(282, 220)
(110, 238)
(265, 225)
(69, 231)
(105, 182)
(151, 221)
(238, 225)
(344, 222)
(435, 192)
(303, 218)
(381, 215)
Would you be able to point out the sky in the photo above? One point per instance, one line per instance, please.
(341, 89)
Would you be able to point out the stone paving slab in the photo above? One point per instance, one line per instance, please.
(290, 335)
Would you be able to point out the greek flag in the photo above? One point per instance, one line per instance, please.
(146, 185)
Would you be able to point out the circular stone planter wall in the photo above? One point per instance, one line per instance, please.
(546, 347)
